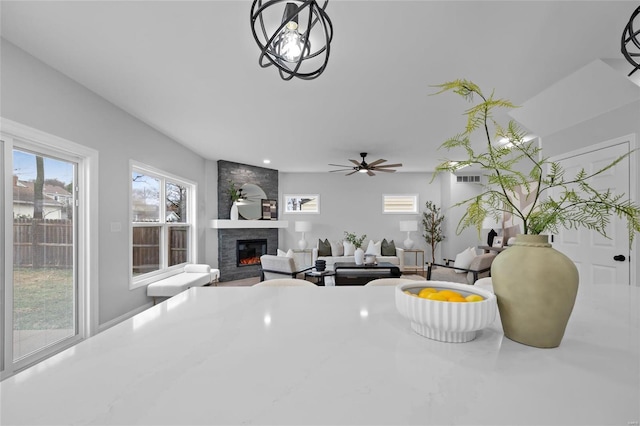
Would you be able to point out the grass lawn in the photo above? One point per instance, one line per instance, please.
(43, 299)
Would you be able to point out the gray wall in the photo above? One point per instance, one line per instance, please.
(36, 95)
(354, 203)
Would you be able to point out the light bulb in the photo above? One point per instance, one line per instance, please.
(291, 43)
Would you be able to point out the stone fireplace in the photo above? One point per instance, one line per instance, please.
(228, 239)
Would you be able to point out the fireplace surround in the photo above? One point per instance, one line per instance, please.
(240, 174)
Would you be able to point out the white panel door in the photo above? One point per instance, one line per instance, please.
(593, 253)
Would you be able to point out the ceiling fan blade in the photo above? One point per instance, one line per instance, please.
(389, 165)
(341, 165)
(341, 170)
(375, 163)
(357, 163)
(370, 173)
(355, 171)
(385, 170)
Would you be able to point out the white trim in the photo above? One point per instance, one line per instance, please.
(87, 226)
(633, 179)
(123, 317)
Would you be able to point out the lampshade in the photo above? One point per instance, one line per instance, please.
(408, 225)
(302, 226)
(630, 44)
(294, 38)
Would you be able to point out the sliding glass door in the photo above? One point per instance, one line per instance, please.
(45, 292)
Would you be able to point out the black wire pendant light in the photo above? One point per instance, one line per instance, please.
(295, 40)
(630, 38)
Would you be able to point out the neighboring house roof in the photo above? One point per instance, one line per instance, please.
(23, 193)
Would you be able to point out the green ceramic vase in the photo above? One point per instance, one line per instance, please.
(536, 287)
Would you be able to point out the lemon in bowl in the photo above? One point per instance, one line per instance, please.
(446, 311)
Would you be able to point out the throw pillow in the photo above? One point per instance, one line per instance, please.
(349, 249)
(324, 248)
(387, 248)
(464, 259)
(374, 248)
(337, 248)
(282, 253)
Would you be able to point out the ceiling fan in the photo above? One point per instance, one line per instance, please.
(363, 167)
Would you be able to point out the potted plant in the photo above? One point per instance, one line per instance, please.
(235, 194)
(432, 219)
(357, 242)
(535, 284)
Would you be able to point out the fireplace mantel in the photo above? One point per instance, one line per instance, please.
(247, 224)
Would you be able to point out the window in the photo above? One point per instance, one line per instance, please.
(400, 203)
(162, 224)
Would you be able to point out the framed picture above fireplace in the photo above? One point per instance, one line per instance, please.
(269, 210)
(302, 203)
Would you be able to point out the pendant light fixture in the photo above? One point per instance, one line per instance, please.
(631, 38)
(295, 39)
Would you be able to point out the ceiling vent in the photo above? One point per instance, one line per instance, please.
(468, 179)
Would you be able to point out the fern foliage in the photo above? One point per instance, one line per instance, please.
(517, 168)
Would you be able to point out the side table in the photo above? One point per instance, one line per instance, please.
(301, 256)
(317, 277)
(416, 267)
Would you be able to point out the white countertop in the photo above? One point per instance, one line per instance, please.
(332, 355)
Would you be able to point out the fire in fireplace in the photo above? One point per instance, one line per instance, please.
(248, 252)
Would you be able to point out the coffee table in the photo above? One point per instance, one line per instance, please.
(348, 273)
(318, 276)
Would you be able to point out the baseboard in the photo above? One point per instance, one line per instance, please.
(118, 320)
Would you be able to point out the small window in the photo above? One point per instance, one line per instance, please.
(401, 203)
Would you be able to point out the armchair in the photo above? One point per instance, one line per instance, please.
(480, 267)
(274, 267)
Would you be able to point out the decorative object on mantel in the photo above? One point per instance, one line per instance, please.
(536, 285)
(631, 39)
(432, 219)
(269, 209)
(408, 226)
(302, 226)
(236, 195)
(289, 43)
(357, 243)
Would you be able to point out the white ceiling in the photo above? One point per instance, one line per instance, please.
(190, 69)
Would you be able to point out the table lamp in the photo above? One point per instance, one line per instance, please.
(408, 226)
(302, 226)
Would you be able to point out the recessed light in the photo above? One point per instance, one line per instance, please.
(266, 161)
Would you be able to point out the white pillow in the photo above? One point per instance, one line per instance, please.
(289, 253)
(337, 248)
(374, 248)
(464, 259)
(349, 249)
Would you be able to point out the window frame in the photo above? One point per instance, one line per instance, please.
(164, 270)
(416, 203)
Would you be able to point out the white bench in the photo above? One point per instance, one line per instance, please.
(191, 276)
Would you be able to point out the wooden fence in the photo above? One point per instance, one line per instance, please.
(53, 247)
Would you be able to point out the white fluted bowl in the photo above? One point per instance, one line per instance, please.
(446, 321)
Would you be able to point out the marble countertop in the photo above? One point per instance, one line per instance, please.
(332, 355)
